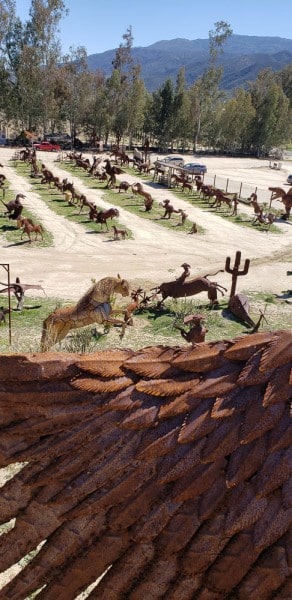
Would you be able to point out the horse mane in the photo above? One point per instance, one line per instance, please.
(98, 292)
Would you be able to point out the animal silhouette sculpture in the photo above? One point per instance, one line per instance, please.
(168, 209)
(120, 232)
(14, 207)
(182, 289)
(137, 188)
(29, 227)
(94, 307)
(285, 197)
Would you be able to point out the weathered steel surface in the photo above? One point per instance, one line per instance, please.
(167, 469)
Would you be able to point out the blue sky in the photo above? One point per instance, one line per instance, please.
(100, 24)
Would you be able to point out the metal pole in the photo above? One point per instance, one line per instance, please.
(7, 269)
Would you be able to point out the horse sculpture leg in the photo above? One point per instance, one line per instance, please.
(54, 330)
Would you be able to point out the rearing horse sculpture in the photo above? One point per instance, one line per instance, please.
(285, 197)
(93, 307)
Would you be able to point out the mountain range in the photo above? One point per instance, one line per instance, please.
(242, 59)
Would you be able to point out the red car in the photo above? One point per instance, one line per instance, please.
(48, 146)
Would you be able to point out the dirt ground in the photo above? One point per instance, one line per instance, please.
(155, 254)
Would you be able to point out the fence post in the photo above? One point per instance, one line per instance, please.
(227, 181)
(240, 189)
(7, 269)
(214, 180)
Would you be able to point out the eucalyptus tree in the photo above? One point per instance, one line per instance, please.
(94, 118)
(163, 101)
(77, 88)
(271, 124)
(284, 78)
(205, 92)
(32, 52)
(118, 86)
(235, 121)
(137, 99)
(126, 92)
(180, 109)
(11, 35)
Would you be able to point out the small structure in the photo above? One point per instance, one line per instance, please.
(275, 164)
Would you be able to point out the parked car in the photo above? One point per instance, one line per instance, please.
(196, 168)
(171, 161)
(174, 160)
(48, 146)
(289, 179)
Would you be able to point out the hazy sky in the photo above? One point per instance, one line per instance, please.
(100, 24)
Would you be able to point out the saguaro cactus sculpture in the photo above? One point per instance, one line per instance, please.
(238, 303)
(235, 271)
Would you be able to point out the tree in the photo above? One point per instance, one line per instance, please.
(95, 114)
(284, 78)
(31, 52)
(235, 122)
(206, 90)
(181, 106)
(271, 124)
(162, 106)
(77, 88)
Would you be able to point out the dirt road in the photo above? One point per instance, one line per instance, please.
(155, 254)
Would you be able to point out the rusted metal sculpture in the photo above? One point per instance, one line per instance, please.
(19, 290)
(168, 209)
(197, 331)
(29, 227)
(183, 215)
(120, 232)
(137, 188)
(3, 312)
(178, 289)
(14, 207)
(238, 303)
(94, 307)
(285, 197)
(158, 473)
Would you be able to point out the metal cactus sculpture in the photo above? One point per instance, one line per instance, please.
(235, 271)
(238, 303)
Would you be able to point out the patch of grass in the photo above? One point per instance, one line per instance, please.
(242, 219)
(152, 326)
(133, 204)
(10, 231)
(56, 202)
(26, 325)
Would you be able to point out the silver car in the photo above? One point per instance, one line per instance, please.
(170, 161)
(196, 168)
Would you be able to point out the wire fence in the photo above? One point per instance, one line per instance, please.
(244, 190)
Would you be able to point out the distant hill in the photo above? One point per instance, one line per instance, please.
(244, 56)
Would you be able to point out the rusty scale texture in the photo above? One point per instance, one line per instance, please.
(166, 470)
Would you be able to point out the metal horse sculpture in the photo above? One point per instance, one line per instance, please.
(93, 307)
(181, 289)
